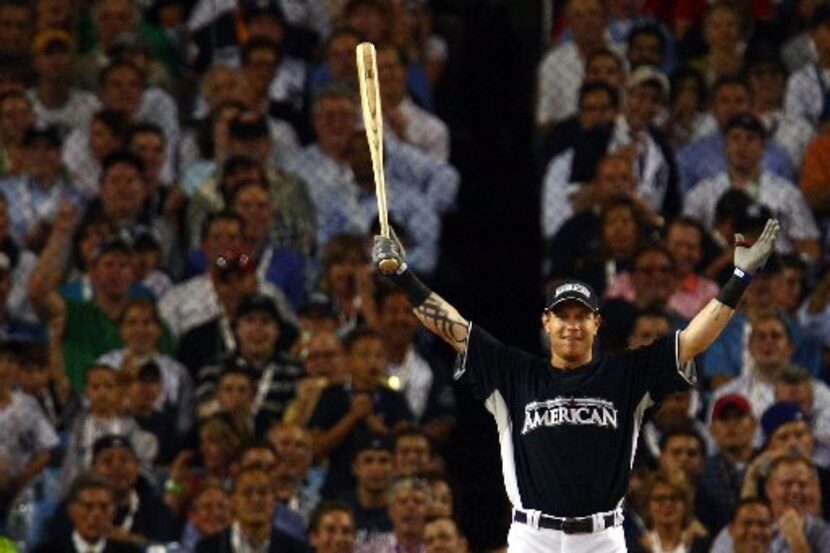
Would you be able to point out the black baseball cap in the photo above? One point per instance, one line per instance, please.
(375, 442)
(258, 303)
(572, 290)
(747, 122)
(110, 441)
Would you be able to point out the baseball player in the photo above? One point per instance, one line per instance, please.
(568, 424)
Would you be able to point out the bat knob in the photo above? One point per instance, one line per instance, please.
(388, 266)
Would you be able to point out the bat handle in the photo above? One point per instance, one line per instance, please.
(388, 266)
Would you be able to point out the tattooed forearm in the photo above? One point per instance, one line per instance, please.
(442, 318)
(704, 329)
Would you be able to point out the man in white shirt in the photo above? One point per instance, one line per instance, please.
(808, 90)
(561, 70)
(745, 138)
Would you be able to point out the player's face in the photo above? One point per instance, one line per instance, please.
(752, 529)
(572, 328)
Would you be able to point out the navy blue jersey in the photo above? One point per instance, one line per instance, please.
(568, 436)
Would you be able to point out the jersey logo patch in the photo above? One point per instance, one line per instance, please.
(570, 411)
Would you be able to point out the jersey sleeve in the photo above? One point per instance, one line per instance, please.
(485, 363)
(656, 369)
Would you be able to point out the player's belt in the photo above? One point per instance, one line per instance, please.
(580, 525)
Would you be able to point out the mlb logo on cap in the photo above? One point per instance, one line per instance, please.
(573, 290)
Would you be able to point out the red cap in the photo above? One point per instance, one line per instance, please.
(734, 401)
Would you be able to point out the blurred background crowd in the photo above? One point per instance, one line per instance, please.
(197, 356)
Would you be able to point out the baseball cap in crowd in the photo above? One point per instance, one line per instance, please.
(114, 243)
(318, 305)
(648, 74)
(747, 122)
(729, 404)
(258, 303)
(572, 290)
(778, 415)
(375, 442)
(111, 441)
(47, 132)
(234, 262)
(263, 7)
(49, 38)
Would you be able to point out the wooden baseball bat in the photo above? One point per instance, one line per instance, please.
(367, 76)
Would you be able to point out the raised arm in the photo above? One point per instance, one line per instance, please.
(712, 319)
(434, 312)
(43, 285)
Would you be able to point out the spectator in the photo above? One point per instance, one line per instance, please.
(85, 328)
(144, 388)
(34, 196)
(428, 394)
(409, 501)
(751, 528)
(332, 528)
(443, 502)
(338, 63)
(795, 385)
(790, 478)
(16, 117)
(209, 513)
(91, 508)
(744, 137)
(198, 309)
(27, 440)
(770, 349)
(17, 21)
(722, 38)
(301, 482)
(675, 411)
(607, 66)
(346, 414)
(705, 157)
(86, 148)
(767, 79)
(443, 535)
(41, 379)
(647, 45)
(406, 121)
(807, 89)
(373, 467)
(141, 330)
(672, 526)
(100, 418)
(286, 517)
(683, 448)
(684, 239)
(687, 110)
(233, 400)
(259, 331)
(140, 515)
(147, 142)
(281, 266)
(413, 454)
(561, 71)
(790, 284)
(253, 504)
(55, 100)
(733, 427)
(325, 363)
(346, 278)
(633, 135)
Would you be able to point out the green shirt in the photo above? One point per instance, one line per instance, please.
(88, 334)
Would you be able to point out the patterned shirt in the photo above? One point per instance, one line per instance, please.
(26, 432)
(423, 130)
(29, 203)
(705, 158)
(74, 114)
(807, 91)
(782, 197)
